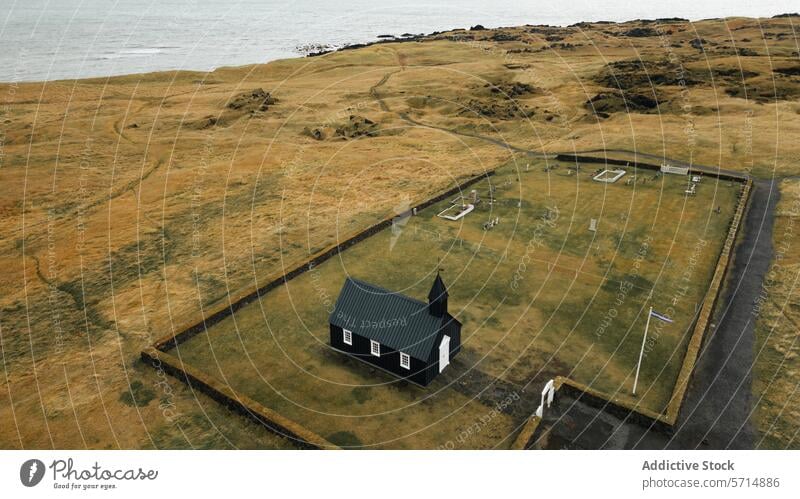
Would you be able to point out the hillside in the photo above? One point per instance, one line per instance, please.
(129, 204)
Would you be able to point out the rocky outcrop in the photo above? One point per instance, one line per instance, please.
(606, 103)
(502, 110)
(357, 126)
(640, 32)
(255, 100)
(513, 89)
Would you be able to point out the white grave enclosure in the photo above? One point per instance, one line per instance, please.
(609, 176)
(456, 212)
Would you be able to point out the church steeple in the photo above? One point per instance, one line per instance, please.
(437, 297)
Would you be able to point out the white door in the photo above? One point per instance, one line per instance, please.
(444, 353)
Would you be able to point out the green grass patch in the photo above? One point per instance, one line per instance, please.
(138, 395)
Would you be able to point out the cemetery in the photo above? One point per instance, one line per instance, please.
(550, 275)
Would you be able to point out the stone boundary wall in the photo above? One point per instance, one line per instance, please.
(157, 356)
(242, 404)
(525, 437)
(619, 408)
(571, 158)
(710, 301)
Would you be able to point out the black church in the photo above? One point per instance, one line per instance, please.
(407, 337)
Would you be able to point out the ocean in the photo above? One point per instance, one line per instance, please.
(67, 39)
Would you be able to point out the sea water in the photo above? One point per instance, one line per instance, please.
(65, 39)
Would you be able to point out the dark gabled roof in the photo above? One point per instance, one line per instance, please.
(392, 319)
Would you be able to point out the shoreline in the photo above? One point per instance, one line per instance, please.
(317, 49)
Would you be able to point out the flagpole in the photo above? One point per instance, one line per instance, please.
(641, 352)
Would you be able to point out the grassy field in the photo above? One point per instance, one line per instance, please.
(133, 203)
(539, 295)
(777, 353)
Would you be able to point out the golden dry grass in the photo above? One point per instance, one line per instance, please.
(125, 211)
(777, 352)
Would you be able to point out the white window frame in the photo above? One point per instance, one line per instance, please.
(375, 348)
(347, 337)
(405, 360)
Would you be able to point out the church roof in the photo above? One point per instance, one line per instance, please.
(390, 318)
